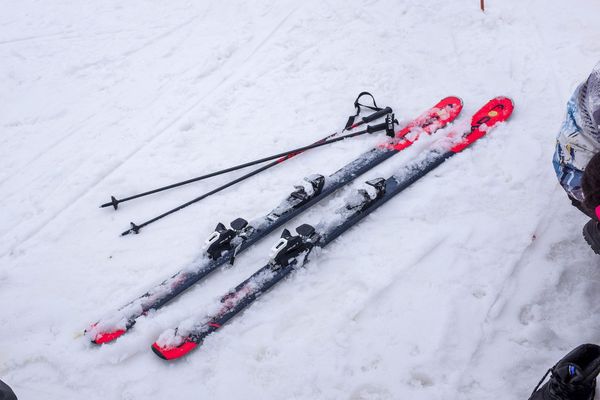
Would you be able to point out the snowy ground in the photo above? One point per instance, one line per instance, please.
(467, 286)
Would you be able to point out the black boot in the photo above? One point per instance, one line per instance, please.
(591, 233)
(573, 377)
(6, 393)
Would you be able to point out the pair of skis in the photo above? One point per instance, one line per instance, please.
(291, 251)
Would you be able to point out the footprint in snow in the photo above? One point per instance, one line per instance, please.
(370, 392)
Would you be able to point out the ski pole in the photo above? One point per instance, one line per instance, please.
(284, 156)
(388, 126)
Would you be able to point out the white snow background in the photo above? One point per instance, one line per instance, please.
(469, 285)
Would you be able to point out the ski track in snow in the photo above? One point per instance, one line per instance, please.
(469, 285)
(70, 201)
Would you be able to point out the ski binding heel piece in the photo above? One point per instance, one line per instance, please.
(309, 188)
(371, 191)
(221, 239)
(289, 247)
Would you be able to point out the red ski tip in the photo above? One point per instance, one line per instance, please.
(435, 118)
(106, 337)
(497, 110)
(171, 353)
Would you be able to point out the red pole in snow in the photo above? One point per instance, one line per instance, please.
(482, 3)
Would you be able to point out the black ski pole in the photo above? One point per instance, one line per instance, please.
(388, 126)
(284, 156)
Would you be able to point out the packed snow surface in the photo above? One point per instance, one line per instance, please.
(469, 285)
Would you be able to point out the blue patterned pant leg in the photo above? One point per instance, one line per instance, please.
(568, 175)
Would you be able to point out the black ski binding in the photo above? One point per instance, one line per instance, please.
(310, 188)
(373, 190)
(221, 239)
(289, 246)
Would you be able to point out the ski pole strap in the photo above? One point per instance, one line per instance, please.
(358, 106)
(374, 107)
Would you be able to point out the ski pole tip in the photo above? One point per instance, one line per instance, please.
(134, 229)
(114, 202)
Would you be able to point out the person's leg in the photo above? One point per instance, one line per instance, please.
(590, 184)
(579, 205)
(570, 179)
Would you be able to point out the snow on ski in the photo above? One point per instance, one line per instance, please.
(226, 242)
(291, 251)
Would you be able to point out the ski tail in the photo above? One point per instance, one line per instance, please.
(290, 251)
(171, 353)
(105, 337)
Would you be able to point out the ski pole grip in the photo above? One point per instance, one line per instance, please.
(376, 115)
(377, 128)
